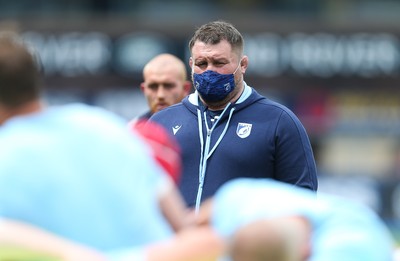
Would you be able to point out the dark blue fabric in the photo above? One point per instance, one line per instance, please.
(145, 116)
(213, 86)
(278, 146)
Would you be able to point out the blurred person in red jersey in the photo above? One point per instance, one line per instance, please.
(164, 147)
(166, 152)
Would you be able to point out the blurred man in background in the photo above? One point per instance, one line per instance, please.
(165, 83)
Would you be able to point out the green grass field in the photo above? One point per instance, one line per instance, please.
(18, 254)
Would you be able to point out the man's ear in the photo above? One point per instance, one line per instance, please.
(187, 86)
(190, 63)
(244, 63)
(142, 86)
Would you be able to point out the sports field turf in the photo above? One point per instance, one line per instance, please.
(18, 254)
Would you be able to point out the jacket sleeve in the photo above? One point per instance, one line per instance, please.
(294, 159)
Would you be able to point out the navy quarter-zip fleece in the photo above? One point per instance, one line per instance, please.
(255, 137)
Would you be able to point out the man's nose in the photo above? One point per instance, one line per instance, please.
(160, 91)
(210, 67)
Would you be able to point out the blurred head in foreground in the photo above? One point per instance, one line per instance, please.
(20, 87)
(61, 166)
(280, 222)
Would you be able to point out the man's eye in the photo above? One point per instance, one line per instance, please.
(152, 86)
(169, 85)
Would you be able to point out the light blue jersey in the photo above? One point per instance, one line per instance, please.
(78, 172)
(341, 230)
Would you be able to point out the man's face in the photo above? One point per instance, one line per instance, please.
(222, 59)
(218, 58)
(163, 87)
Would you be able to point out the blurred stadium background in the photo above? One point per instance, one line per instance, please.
(335, 63)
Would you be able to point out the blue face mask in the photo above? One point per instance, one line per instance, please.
(213, 86)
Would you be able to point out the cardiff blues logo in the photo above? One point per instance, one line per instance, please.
(227, 86)
(243, 130)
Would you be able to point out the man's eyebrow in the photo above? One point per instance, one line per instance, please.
(153, 84)
(212, 59)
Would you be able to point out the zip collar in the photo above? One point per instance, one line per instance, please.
(205, 146)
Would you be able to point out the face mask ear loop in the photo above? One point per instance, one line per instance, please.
(191, 67)
(238, 66)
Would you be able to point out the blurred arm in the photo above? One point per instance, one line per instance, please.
(26, 237)
(194, 244)
(173, 207)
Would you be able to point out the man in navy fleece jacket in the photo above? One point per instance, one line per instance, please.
(226, 129)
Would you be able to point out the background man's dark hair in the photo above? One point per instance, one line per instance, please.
(19, 72)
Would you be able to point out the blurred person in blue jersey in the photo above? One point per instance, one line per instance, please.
(268, 227)
(74, 170)
(226, 129)
(164, 83)
(268, 220)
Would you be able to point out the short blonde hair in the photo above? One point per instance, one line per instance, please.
(279, 239)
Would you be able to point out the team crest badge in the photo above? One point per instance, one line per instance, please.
(243, 130)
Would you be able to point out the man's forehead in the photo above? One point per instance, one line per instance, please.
(171, 70)
(163, 76)
(221, 49)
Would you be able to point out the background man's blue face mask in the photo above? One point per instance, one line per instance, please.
(213, 86)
